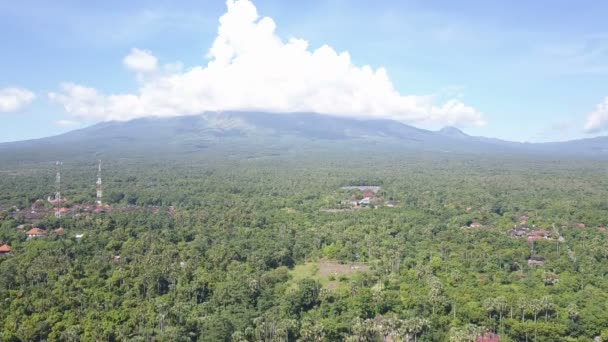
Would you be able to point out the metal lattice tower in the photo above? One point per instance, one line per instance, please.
(58, 182)
(58, 189)
(99, 184)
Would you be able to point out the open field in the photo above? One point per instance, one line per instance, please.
(329, 273)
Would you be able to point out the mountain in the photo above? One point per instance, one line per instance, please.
(453, 132)
(236, 132)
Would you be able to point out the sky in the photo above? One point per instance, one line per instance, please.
(516, 70)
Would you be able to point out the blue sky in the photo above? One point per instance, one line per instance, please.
(530, 70)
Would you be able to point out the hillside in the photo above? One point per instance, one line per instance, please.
(235, 133)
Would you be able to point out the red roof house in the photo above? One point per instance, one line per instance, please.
(488, 337)
(58, 230)
(5, 249)
(368, 195)
(35, 232)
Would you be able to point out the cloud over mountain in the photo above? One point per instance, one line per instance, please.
(13, 99)
(598, 119)
(140, 61)
(251, 68)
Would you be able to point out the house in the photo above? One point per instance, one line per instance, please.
(365, 201)
(517, 233)
(536, 261)
(475, 225)
(56, 201)
(390, 204)
(539, 235)
(368, 195)
(5, 249)
(488, 337)
(35, 233)
(79, 236)
(39, 203)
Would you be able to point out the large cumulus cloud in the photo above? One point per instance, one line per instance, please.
(250, 68)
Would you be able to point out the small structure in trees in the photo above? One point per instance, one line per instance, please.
(390, 204)
(35, 233)
(5, 249)
(536, 261)
(488, 337)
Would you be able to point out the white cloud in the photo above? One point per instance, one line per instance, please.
(140, 61)
(13, 99)
(598, 119)
(66, 123)
(250, 68)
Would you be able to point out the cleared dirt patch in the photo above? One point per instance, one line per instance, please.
(327, 272)
(329, 268)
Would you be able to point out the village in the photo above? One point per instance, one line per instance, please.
(58, 207)
(532, 235)
(365, 196)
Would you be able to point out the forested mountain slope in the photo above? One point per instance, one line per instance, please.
(236, 132)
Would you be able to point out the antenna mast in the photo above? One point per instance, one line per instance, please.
(99, 184)
(58, 181)
(58, 200)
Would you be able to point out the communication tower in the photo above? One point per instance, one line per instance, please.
(56, 199)
(58, 182)
(99, 184)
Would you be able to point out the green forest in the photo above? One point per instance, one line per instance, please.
(212, 248)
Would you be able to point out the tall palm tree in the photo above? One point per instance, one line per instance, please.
(535, 306)
(501, 305)
(573, 313)
(547, 306)
(458, 335)
(522, 304)
(489, 306)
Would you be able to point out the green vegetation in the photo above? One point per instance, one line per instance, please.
(249, 255)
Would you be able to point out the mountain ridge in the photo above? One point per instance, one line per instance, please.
(197, 132)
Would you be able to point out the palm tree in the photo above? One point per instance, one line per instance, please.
(489, 306)
(386, 327)
(363, 330)
(311, 332)
(523, 305)
(458, 335)
(535, 306)
(573, 312)
(547, 306)
(238, 336)
(501, 305)
(417, 326)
